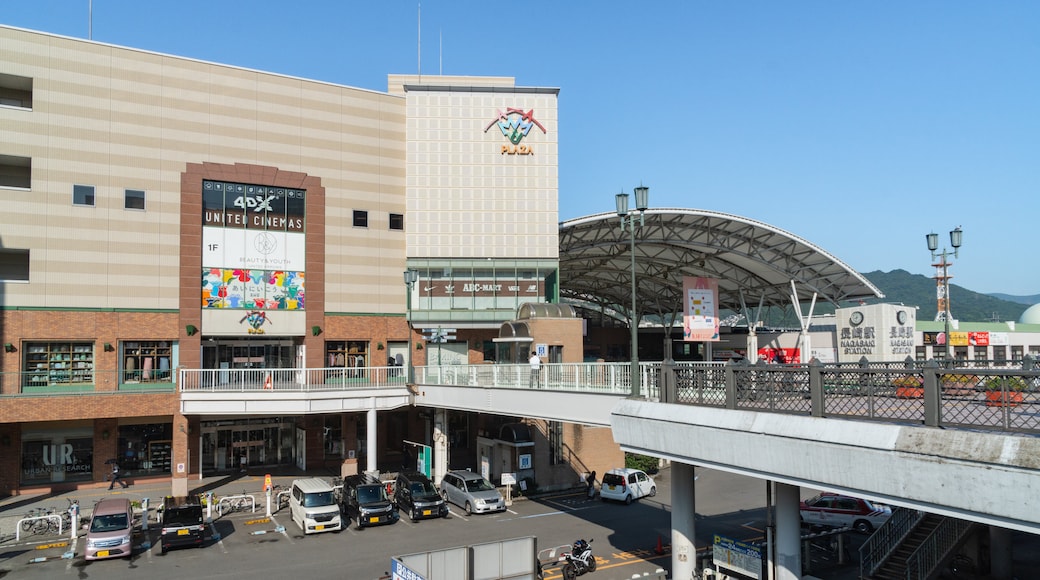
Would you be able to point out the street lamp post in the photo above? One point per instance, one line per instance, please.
(942, 310)
(410, 277)
(642, 194)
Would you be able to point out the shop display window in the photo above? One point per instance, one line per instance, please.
(58, 366)
(145, 449)
(57, 459)
(146, 361)
(346, 353)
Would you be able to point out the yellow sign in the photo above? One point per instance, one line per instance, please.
(267, 482)
(52, 545)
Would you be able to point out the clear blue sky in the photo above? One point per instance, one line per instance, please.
(859, 126)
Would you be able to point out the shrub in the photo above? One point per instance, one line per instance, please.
(642, 462)
(1012, 383)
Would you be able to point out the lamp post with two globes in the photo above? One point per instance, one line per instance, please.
(942, 277)
(642, 195)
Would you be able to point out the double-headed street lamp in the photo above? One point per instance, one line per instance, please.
(642, 194)
(410, 277)
(942, 290)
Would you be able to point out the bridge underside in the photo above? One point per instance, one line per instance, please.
(982, 477)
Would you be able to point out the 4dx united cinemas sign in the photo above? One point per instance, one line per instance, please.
(515, 125)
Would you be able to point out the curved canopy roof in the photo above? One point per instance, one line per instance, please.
(750, 259)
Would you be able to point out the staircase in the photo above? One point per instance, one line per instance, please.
(923, 548)
(894, 567)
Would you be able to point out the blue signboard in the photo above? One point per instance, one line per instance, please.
(398, 571)
(740, 557)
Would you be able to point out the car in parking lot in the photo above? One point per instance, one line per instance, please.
(842, 511)
(365, 501)
(181, 522)
(471, 492)
(111, 529)
(416, 495)
(626, 484)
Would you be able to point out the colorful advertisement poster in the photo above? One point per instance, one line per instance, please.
(700, 311)
(978, 338)
(780, 356)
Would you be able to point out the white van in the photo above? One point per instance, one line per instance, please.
(312, 505)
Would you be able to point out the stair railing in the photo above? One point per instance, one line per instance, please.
(880, 544)
(934, 549)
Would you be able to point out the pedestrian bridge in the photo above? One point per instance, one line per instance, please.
(957, 442)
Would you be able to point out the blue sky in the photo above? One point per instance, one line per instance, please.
(859, 126)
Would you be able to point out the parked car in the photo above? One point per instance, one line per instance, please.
(365, 501)
(312, 505)
(626, 484)
(181, 522)
(415, 494)
(838, 511)
(471, 492)
(111, 529)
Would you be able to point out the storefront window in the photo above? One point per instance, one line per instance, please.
(145, 449)
(346, 353)
(57, 459)
(333, 436)
(58, 366)
(146, 361)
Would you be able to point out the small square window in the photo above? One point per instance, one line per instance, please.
(83, 195)
(133, 199)
(360, 218)
(396, 221)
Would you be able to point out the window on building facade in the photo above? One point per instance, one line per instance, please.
(146, 361)
(396, 221)
(14, 265)
(15, 171)
(83, 195)
(133, 199)
(1016, 353)
(346, 353)
(145, 449)
(555, 429)
(360, 218)
(58, 366)
(1000, 353)
(16, 91)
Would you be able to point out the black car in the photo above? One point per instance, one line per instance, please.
(181, 522)
(365, 500)
(415, 494)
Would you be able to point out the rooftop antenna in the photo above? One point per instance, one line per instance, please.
(440, 50)
(90, 20)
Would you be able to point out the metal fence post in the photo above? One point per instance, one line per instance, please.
(930, 370)
(816, 387)
(731, 384)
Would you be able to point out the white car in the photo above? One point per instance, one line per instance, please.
(626, 484)
(842, 511)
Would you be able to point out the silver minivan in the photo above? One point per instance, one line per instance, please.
(111, 529)
(312, 505)
(471, 492)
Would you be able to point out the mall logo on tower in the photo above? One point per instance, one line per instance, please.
(515, 124)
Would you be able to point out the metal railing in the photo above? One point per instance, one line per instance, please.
(880, 544)
(934, 549)
(305, 379)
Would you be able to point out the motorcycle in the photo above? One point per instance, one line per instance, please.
(579, 561)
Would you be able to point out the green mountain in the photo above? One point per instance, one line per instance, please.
(900, 286)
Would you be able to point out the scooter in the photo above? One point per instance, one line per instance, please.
(579, 561)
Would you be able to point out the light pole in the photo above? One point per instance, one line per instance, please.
(942, 290)
(642, 194)
(410, 277)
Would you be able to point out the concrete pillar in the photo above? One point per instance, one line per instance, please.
(788, 540)
(370, 440)
(440, 445)
(180, 456)
(684, 551)
(1000, 553)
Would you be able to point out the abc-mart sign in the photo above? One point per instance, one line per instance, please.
(515, 125)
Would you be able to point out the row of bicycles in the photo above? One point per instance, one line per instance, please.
(43, 520)
(246, 502)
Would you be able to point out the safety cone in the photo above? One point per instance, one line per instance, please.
(660, 546)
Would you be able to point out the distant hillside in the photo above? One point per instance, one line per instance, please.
(1027, 300)
(900, 286)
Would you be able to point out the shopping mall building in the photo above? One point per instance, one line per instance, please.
(163, 213)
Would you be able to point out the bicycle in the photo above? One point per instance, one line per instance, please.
(281, 496)
(31, 524)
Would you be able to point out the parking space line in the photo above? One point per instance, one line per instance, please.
(460, 516)
(72, 548)
(214, 534)
(285, 530)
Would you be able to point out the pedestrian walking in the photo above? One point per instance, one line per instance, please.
(116, 476)
(590, 481)
(536, 370)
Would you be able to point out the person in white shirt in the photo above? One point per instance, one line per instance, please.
(536, 368)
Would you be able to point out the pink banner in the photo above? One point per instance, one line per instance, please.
(700, 310)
